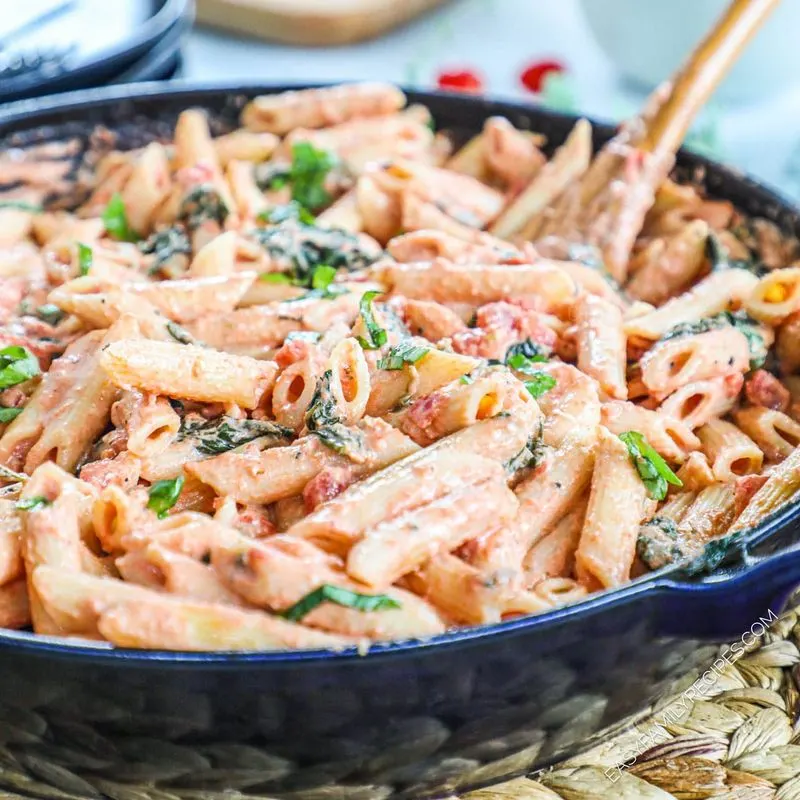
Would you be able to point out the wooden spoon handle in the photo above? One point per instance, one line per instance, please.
(702, 73)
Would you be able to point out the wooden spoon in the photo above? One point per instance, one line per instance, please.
(703, 72)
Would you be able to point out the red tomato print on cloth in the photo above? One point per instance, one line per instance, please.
(465, 80)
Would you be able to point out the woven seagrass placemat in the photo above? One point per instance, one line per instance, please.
(736, 739)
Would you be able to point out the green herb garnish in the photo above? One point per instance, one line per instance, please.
(653, 470)
(292, 210)
(531, 351)
(322, 410)
(50, 313)
(466, 379)
(164, 494)
(32, 503)
(341, 597)
(376, 336)
(115, 219)
(322, 277)
(7, 474)
(659, 543)
(220, 435)
(166, 245)
(310, 168)
(203, 204)
(540, 383)
(275, 277)
(85, 258)
(8, 414)
(402, 354)
(17, 365)
(179, 334)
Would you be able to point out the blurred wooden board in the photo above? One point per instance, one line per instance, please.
(311, 22)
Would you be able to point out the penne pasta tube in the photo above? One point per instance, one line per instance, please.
(695, 473)
(730, 452)
(567, 165)
(554, 488)
(260, 572)
(398, 546)
(189, 299)
(553, 556)
(241, 145)
(80, 403)
(147, 187)
(350, 380)
(696, 403)
(11, 566)
(458, 405)
(216, 258)
(677, 362)
(602, 344)
(781, 486)
(776, 434)
(673, 270)
(410, 483)
(15, 610)
(282, 472)
(317, 108)
(709, 516)
(776, 296)
(572, 404)
(787, 344)
(434, 369)
(477, 284)
(187, 371)
(150, 422)
(618, 503)
(718, 292)
(249, 199)
(672, 438)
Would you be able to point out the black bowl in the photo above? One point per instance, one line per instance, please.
(409, 719)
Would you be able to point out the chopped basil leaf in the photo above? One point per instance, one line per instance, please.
(164, 494)
(322, 277)
(401, 354)
(32, 503)
(341, 597)
(179, 334)
(322, 410)
(531, 455)
(115, 219)
(202, 204)
(85, 258)
(342, 440)
(466, 379)
(7, 414)
(50, 313)
(540, 383)
(220, 435)
(653, 470)
(292, 210)
(17, 365)
(532, 351)
(297, 250)
(275, 277)
(167, 245)
(660, 543)
(310, 168)
(21, 205)
(376, 336)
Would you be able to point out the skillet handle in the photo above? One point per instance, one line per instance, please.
(726, 605)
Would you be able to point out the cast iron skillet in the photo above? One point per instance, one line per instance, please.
(409, 719)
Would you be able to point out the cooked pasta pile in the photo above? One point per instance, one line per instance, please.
(321, 381)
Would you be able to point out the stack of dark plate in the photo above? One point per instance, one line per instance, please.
(51, 46)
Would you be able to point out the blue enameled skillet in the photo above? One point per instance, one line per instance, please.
(409, 719)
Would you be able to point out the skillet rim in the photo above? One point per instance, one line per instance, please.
(25, 115)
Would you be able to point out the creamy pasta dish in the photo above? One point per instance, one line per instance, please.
(327, 379)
